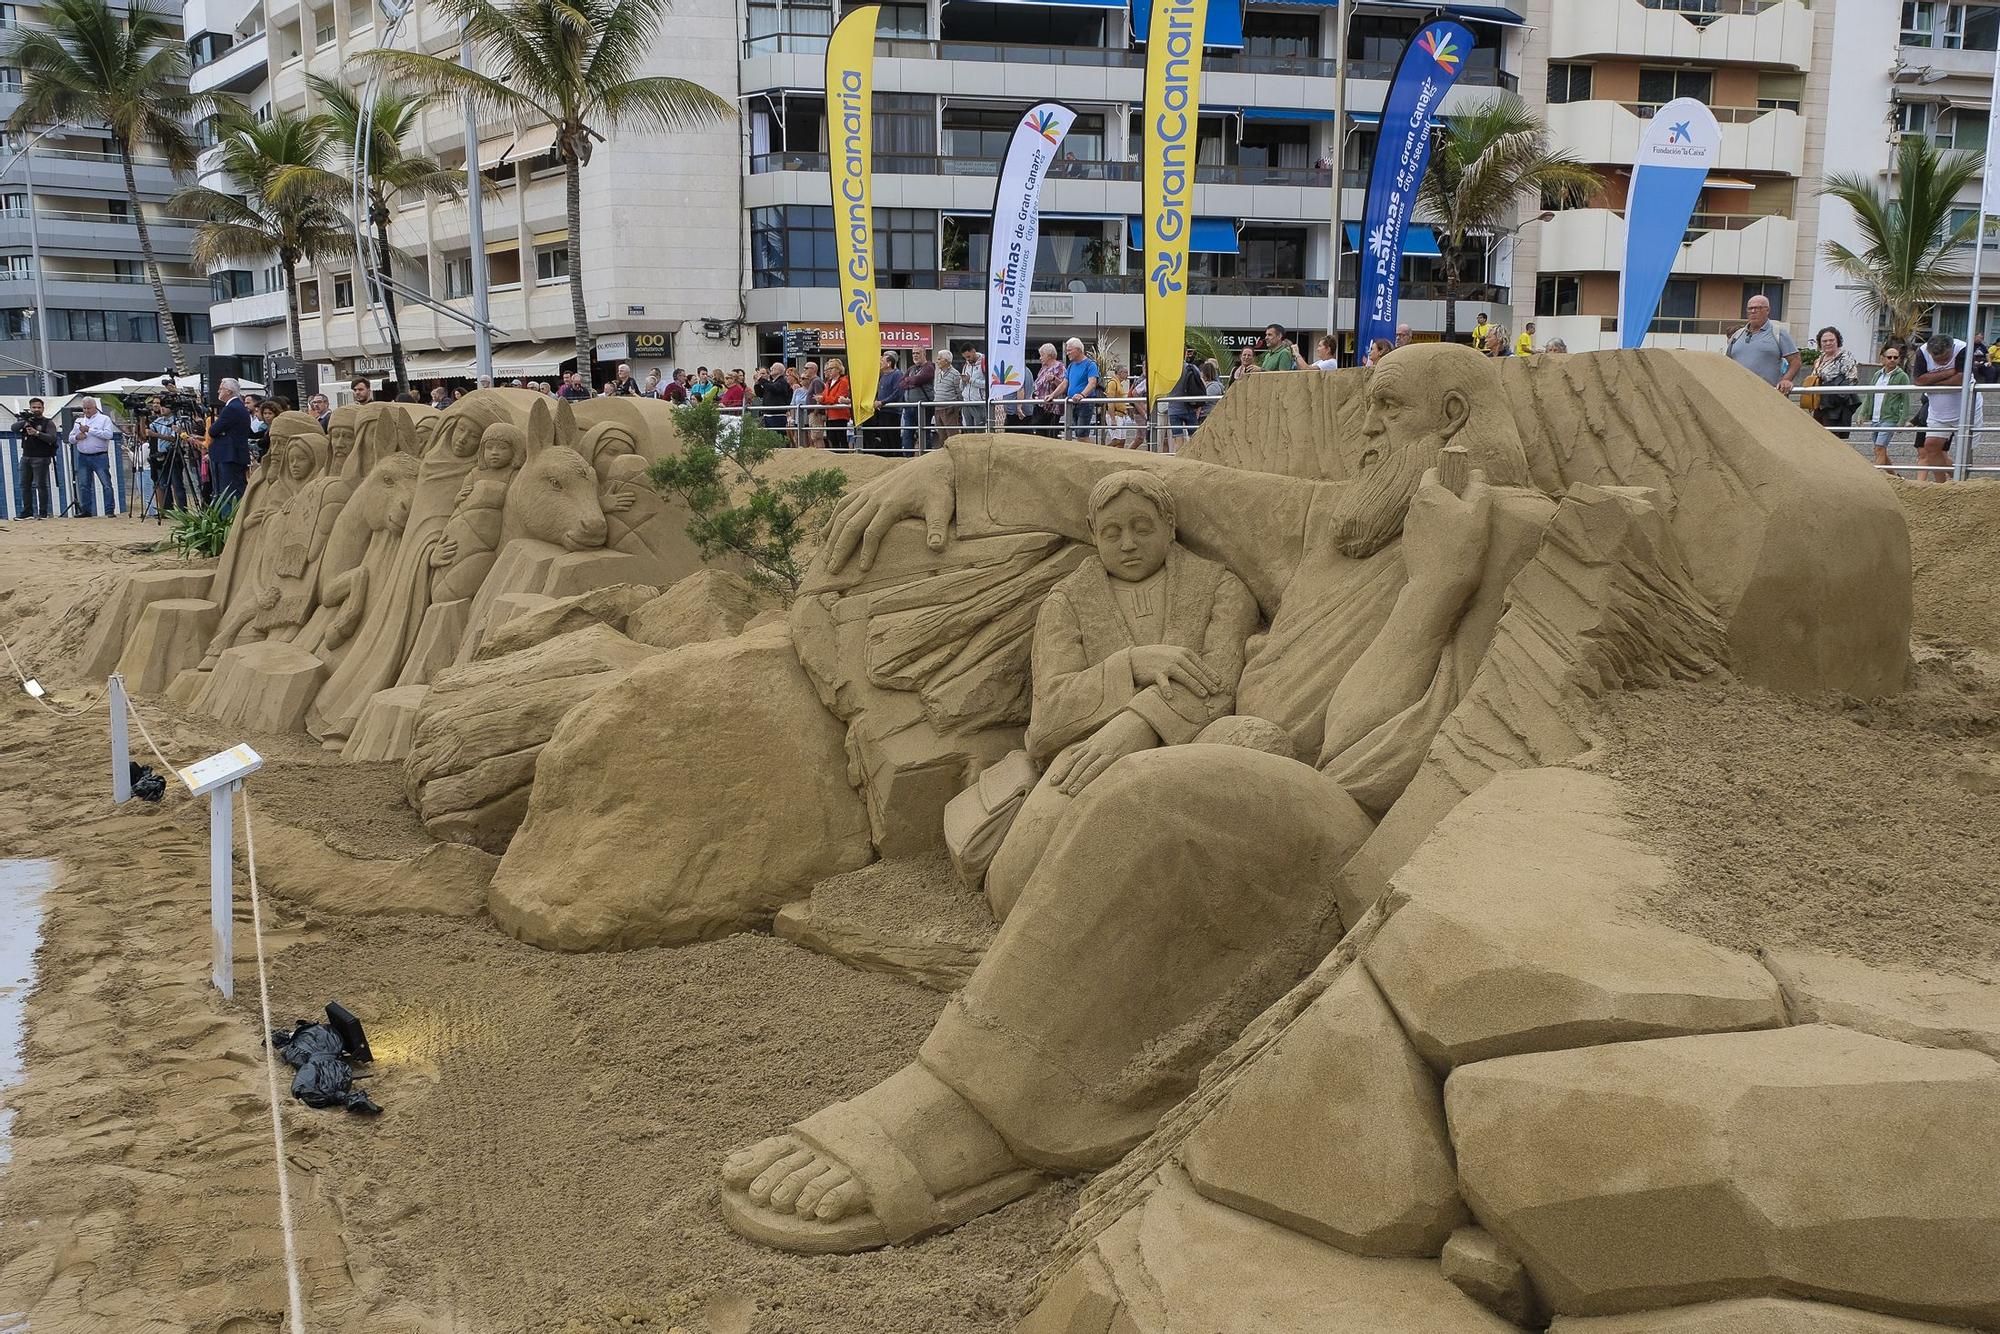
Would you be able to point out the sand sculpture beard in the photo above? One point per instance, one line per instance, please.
(1371, 515)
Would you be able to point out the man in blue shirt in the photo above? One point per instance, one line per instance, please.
(1085, 383)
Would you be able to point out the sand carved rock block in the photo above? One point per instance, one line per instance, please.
(1486, 1271)
(1749, 1315)
(1907, 1004)
(481, 727)
(576, 572)
(503, 610)
(908, 918)
(437, 641)
(1814, 1162)
(708, 604)
(592, 868)
(387, 726)
(1182, 1263)
(1337, 1132)
(120, 616)
(445, 880)
(558, 616)
(169, 637)
(262, 687)
(1516, 928)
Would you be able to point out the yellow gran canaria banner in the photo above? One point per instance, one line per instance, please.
(1172, 112)
(850, 109)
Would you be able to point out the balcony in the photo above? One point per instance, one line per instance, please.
(1750, 32)
(92, 232)
(262, 308)
(1753, 139)
(1592, 240)
(60, 170)
(1100, 57)
(237, 70)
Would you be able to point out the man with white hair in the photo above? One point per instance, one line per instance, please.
(92, 436)
(229, 445)
(1085, 382)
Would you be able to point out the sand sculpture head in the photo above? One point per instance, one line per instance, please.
(380, 429)
(503, 447)
(340, 430)
(425, 429)
(648, 423)
(554, 497)
(288, 427)
(385, 494)
(1420, 399)
(1132, 522)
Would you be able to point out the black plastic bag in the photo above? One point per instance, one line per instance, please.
(324, 1078)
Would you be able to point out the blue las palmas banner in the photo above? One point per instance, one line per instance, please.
(1017, 225)
(1675, 154)
(1430, 66)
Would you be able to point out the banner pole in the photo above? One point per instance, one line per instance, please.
(1342, 10)
(1967, 400)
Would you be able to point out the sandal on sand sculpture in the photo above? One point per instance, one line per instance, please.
(901, 1207)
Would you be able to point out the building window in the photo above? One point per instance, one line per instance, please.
(1272, 252)
(128, 270)
(906, 247)
(1772, 292)
(1915, 118)
(457, 276)
(975, 133)
(14, 205)
(792, 246)
(503, 267)
(1659, 86)
(1280, 36)
(905, 125)
(117, 210)
(10, 76)
(343, 291)
(1558, 294)
(909, 22)
(1681, 299)
(1569, 83)
(142, 328)
(1963, 130)
(1780, 90)
(17, 266)
(9, 16)
(229, 284)
(14, 323)
(309, 297)
(323, 30)
(552, 262)
(190, 328)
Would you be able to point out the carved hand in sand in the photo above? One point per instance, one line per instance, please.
(1127, 734)
(1445, 535)
(1168, 665)
(922, 489)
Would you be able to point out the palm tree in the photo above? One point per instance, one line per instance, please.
(1484, 162)
(91, 65)
(569, 63)
(271, 162)
(390, 170)
(1905, 262)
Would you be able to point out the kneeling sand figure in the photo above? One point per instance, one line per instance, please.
(1141, 648)
(1188, 886)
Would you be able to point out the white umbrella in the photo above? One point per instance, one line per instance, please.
(124, 384)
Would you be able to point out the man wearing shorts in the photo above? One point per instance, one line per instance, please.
(1941, 367)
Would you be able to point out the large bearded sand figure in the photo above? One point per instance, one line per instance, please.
(278, 597)
(1188, 887)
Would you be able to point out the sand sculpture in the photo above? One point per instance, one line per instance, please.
(281, 593)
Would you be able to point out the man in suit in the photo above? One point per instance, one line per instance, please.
(229, 445)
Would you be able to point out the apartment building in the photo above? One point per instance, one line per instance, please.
(951, 81)
(1599, 69)
(1921, 67)
(662, 247)
(102, 321)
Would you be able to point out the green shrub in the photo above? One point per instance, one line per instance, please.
(200, 532)
(717, 463)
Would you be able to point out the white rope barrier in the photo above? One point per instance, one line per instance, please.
(34, 687)
(271, 1077)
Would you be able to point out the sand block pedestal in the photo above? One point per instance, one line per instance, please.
(170, 636)
(120, 615)
(908, 918)
(386, 724)
(263, 687)
(575, 572)
(437, 642)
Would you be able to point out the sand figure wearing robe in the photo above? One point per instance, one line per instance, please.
(1188, 887)
(396, 609)
(1141, 647)
(378, 430)
(263, 496)
(340, 424)
(358, 555)
(282, 596)
(471, 540)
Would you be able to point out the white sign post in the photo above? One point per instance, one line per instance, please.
(217, 778)
(121, 744)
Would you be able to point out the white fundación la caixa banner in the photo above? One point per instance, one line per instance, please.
(1675, 153)
(1017, 228)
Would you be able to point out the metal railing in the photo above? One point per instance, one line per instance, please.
(908, 429)
(1102, 57)
(1723, 115)
(1974, 447)
(1065, 169)
(1711, 9)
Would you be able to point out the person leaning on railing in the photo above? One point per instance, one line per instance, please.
(1890, 411)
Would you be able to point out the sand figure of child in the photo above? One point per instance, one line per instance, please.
(471, 541)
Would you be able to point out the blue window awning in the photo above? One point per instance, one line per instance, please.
(1211, 236)
(1418, 242)
(1286, 113)
(1225, 22)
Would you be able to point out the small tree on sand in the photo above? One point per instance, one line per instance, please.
(736, 511)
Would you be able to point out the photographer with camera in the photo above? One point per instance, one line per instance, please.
(39, 443)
